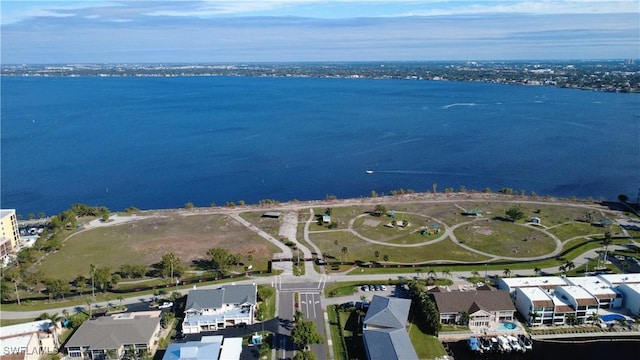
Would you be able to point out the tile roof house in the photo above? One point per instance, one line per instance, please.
(214, 309)
(482, 306)
(111, 336)
(384, 329)
(208, 348)
(28, 341)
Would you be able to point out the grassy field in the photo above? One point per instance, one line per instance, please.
(190, 235)
(145, 241)
(504, 238)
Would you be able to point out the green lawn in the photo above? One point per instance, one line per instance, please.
(504, 238)
(426, 346)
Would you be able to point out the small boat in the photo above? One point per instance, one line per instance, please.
(525, 342)
(504, 344)
(369, 171)
(474, 345)
(513, 342)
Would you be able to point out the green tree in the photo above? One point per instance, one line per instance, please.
(57, 288)
(379, 210)
(104, 279)
(507, 273)
(264, 292)
(221, 259)
(189, 206)
(623, 198)
(385, 257)
(376, 253)
(304, 333)
(514, 214)
(170, 266)
(304, 355)
(344, 252)
(430, 314)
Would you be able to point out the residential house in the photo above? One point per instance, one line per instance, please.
(112, 336)
(481, 306)
(29, 340)
(208, 348)
(215, 309)
(384, 330)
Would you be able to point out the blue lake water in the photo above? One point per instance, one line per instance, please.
(163, 142)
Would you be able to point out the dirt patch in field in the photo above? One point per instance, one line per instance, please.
(482, 230)
(371, 222)
(190, 237)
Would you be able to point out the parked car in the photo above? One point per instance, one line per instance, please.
(365, 288)
(166, 305)
(348, 305)
(383, 288)
(377, 287)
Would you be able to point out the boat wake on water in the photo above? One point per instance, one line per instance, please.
(410, 172)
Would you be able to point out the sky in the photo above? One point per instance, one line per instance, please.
(214, 31)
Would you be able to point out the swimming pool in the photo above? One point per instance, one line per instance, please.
(506, 326)
(611, 317)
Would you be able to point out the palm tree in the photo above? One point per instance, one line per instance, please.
(93, 273)
(446, 273)
(464, 317)
(594, 319)
(431, 274)
(475, 274)
(89, 302)
(569, 265)
(418, 272)
(507, 273)
(606, 242)
(533, 316)
(571, 319)
(55, 321)
(537, 270)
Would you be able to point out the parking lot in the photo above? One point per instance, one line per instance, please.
(367, 293)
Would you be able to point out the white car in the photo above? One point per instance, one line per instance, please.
(165, 305)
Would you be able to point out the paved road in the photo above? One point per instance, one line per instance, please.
(311, 306)
(283, 344)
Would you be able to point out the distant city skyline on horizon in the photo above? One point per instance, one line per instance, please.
(227, 31)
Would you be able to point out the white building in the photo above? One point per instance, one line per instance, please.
(631, 296)
(211, 310)
(9, 234)
(535, 305)
(30, 340)
(548, 283)
(600, 289)
(582, 301)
